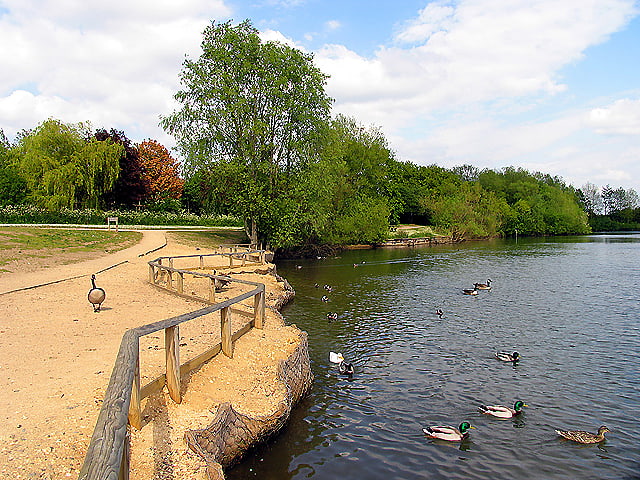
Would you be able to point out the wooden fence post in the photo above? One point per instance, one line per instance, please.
(135, 413)
(212, 290)
(123, 474)
(201, 262)
(172, 354)
(225, 332)
(180, 286)
(152, 275)
(258, 309)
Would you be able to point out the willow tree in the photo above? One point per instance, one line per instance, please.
(249, 109)
(64, 169)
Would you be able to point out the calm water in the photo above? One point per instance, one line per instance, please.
(570, 306)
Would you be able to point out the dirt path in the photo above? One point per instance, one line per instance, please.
(56, 354)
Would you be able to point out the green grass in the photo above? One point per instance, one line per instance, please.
(211, 238)
(33, 238)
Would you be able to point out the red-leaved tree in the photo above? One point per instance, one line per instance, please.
(160, 171)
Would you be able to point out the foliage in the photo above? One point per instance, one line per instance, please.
(30, 214)
(539, 204)
(13, 188)
(130, 189)
(159, 172)
(611, 208)
(63, 169)
(249, 109)
(466, 210)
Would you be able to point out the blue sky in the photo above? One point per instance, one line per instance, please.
(545, 85)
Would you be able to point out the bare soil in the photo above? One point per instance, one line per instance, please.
(57, 355)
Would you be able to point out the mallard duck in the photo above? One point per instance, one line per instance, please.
(346, 368)
(503, 412)
(470, 291)
(483, 286)
(581, 436)
(508, 357)
(96, 295)
(448, 433)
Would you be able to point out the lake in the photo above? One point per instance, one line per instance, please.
(569, 306)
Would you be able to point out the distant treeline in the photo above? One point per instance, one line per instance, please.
(350, 191)
(611, 209)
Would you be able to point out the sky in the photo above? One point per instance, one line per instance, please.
(546, 85)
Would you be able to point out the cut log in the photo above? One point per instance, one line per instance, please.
(225, 441)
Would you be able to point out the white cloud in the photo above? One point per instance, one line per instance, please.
(97, 61)
(620, 118)
(475, 51)
(276, 36)
(332, 25)
(454, 87)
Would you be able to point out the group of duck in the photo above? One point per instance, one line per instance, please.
(453, 434)
(476, 287)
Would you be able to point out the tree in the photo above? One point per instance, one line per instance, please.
(130, 188)
(63, 169)
(590, 196)
(248, 107)
(159, 171)
(13, 188)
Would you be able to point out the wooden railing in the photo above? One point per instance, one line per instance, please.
(108, 453)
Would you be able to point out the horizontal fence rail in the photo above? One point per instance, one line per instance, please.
(108, 453)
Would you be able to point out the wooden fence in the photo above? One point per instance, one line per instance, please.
(108, 454)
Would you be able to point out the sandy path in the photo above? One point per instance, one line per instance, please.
(57, 354)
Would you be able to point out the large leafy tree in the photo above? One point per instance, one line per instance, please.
(160, 171)
(64, 167)
(249, 112)
(130, 189)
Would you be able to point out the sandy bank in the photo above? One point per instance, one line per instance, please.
(57, 355)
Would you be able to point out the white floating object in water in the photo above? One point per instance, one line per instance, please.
(336, 357)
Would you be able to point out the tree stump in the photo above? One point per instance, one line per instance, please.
(225, 441)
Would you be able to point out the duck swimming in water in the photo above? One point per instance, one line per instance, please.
(508, 357)
(581, 436)
(451, 434)
(483, 286)
(470, 291)
(439, 312)
(346, 368)
(503, 412)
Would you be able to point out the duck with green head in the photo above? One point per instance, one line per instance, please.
(502, 411)
(448, 433)
(508, 357)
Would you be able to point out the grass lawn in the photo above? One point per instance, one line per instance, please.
(29, 248)
(211, 238)
(35, 245)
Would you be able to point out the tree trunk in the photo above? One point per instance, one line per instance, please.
(231, 434)
(254, 233)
